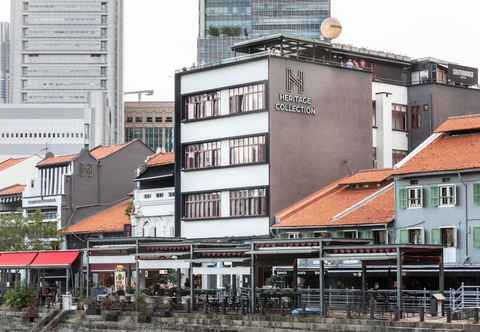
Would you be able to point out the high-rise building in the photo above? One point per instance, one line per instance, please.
(152, 122)
(4, 61)
(62, 51)
(223, 23)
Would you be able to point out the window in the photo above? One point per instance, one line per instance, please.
(159, 195)
(158, 119)
(149, 119)
(398, 155)
(347, 235)
(203, 155)
(445, 236)
(399, 117)
(476, 193)
(444, 196)
(416, 117)
(379, 236)
(247, 99)
(252, 202)
(476, 236)
(202, 206)
(129, 119)
(411, 198)
(247, 150)
(293, 236)
(412, 236)
(171, 194)
(138, 119)
(169, 119)
(419, 77)
(147, 196)
(374, 114)
(202, 106)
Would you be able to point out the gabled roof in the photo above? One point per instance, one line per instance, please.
(12, 190)
(342, 203)
(368, 176)
(109, 220)
(161, 158)
(58, 160)
(103, 151)
(10, 162)
(460, 123)
(446, 153)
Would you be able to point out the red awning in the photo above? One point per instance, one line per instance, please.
(16, 259)
(52, 259)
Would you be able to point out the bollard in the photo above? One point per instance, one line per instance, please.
(475, 315)
(224, 307)
(396, 316)
(304, 309)
(372, 310)
(422, 314)
(242, 304)
(349, 311)
(189, 306)
(449, 316)
(205, 308)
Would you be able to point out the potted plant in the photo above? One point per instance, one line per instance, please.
(108, 313)
(144, 313)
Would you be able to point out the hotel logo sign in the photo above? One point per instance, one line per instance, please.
(293, 80)
(295, 103)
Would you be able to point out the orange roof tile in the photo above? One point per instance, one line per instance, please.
(58, 160)
(12, 190)
(446, 153)
(10, 162)
(321, 210)
(103, 151)
(110, 220)
(161, 159)
(460, 123)
(368, 176)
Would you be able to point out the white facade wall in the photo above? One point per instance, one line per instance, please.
(35, 129)
(384, 138)
(63, 50)
(21, 173)
(154, 213)
(227, 177)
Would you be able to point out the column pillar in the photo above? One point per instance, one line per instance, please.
(321, 281)
(399, 282)
(383, 111)
(253, 280)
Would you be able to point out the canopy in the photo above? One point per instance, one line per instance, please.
(52, 259)
(16, 259)
(38, 259)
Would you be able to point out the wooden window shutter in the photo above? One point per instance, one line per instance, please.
(476, 237)
(435, 196)
(402, 198)
(436, 236)
(404, 236)
(476, 193)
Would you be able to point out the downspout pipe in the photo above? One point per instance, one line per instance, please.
(466, 214)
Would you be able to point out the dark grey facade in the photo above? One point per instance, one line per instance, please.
(223, 23)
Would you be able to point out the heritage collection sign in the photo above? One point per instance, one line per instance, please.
(462, 75)
(289, 102)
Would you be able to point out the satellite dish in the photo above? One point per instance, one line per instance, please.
(331, 28)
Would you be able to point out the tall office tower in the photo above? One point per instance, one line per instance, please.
(223, 23)
(4, 61)
(62, 51)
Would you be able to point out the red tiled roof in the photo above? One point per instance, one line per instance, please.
(460, 123)
(368, 176)
(59, 160)
(321, 209)
(103, 151)
(446, 153)
(10, 162)
(110, 220)
(161, 159)
(12, 190)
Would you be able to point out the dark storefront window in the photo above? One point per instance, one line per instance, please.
(399, 117)
(416, 117)
(247, 99)
(252, 202)
(203, 155)
(202, 206)
(202, 106)
(247, 150)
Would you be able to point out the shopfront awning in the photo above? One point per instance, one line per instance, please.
(163, 264)
(55, 259)
(12, 260)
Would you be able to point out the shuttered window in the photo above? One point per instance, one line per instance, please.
(402, 199)
(436, 236)
(476, 193)
(435, 196)
(476, 237)
(404, 236)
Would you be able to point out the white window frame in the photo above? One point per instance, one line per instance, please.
(349, 231)
(422, 234)
(293, 235)
(454, 196)
(419, 189)
(455, 238)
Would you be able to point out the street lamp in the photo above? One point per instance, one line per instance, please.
(140, 93)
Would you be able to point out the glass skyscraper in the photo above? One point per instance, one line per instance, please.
(223, 23)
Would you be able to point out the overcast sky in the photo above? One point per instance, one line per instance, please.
(160, 35)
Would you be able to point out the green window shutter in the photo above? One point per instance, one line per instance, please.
(455, 196)
(366, 235)
(436, 236)
(404, 236)
(476, 193)
(476, 237)
(402, 198)
(435, 196)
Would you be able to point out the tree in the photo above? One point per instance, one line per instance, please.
(19, 232)
(213, 31)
